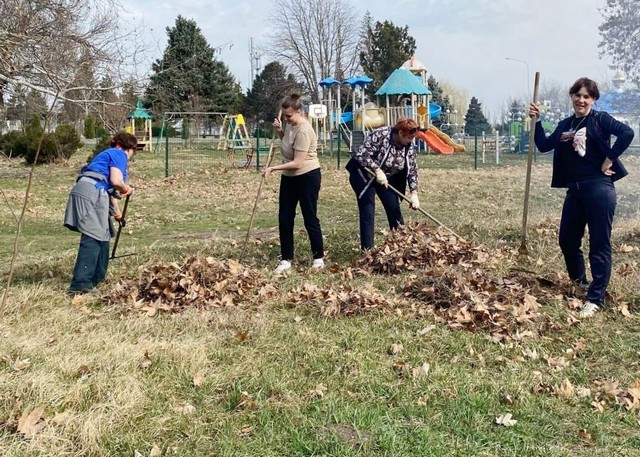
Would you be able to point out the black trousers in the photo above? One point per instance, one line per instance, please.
(358, 178)
(303, 189)
(91, 264)
(592, 204)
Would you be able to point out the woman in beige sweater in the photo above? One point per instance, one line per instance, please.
(299, 183)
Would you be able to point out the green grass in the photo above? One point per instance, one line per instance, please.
(278, 380)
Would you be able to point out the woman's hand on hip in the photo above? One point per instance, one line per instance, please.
(606, 167)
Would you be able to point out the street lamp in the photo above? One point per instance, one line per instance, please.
(528, 81)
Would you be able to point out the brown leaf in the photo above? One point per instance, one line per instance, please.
(565, 389)
(585, 435)
(30, 423)
(145, 361)
(155, 451)
(421, 371)
(197, 379)
(395, 349)
(20, 365)
(61, 418)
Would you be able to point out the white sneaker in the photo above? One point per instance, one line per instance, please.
(284, 265)
(317, 264)
(588, 310)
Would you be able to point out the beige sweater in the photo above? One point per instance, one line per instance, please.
(300, 138)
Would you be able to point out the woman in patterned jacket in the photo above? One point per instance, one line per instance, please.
(388, 153)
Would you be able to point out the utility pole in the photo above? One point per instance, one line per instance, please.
(254, 60)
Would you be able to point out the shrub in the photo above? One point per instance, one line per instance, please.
(55, 146)
(49, 151)
(13, 144)
(68, 141)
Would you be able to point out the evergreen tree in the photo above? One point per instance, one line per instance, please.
(439, 98)
(269, 87)
(188, 77)
(386, 48)
(475, 121)
(89, 127)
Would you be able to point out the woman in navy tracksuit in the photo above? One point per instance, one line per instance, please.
(587, 165)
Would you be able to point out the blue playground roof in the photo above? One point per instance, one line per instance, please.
(401, 82)
(619, 102)
(357, 81)
(329, 82)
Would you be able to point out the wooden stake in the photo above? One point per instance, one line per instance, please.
(523, 251)
(262, 179)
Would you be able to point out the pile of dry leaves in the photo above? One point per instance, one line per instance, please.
(473, 298)
(449, 278)
(415, 247)
(197, 282)
(339, 301)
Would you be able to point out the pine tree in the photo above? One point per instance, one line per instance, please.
(269, 87)
(439, 98)
(389, 47)
(475, 121)
(188, 77)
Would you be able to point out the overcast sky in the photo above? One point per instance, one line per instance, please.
(464, 42)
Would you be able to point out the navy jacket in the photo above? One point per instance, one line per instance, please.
(600, 126)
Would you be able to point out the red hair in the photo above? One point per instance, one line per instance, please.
(405, 124)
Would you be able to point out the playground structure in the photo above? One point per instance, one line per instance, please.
(406, 95)
(140, 126)
(235, 137)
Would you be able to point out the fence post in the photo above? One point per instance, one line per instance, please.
(166, 156)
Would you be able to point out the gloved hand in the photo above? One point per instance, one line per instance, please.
(415, 203)
(381, 178)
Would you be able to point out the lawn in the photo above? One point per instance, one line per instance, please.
(275, 373)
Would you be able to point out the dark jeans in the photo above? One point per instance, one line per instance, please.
(592, 204)
(303, 189)
(91, 264)
(367, 204)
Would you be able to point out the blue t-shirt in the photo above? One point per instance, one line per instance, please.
(102, 163)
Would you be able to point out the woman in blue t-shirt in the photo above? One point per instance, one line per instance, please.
(88, 208)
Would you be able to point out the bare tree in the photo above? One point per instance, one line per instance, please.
(314, 39)
(46, 46)
(50, 45)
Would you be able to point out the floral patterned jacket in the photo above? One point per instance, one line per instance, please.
(379, 151)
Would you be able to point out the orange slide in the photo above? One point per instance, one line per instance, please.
(435, 143)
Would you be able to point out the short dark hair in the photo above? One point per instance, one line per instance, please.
(124, 140)
(590, 86)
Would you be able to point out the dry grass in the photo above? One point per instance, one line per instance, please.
(274, 380)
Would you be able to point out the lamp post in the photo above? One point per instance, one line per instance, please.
(528, 81)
